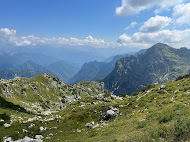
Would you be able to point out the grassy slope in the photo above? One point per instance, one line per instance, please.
(160, 113)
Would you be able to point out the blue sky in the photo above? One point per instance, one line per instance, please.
(97, 23)
(77, 18)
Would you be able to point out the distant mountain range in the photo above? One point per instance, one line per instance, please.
(10, 74)
(160, 63)
(63, 70)
(8, 62)
(35, 57)
(15, 65)
(94, 70)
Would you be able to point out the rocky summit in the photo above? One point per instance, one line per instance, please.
(159, 64)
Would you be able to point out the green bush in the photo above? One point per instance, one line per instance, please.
(142, 124)
(161, 131)
(10, 105)
(182, 128)
(106, 95)
(161, 91)
(123, 95)
(14, 136)
(5, 117)
(135, 93)
(165, 116)
(147, 87)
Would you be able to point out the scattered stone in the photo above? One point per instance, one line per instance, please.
(90, 125)
(39, 137)
(127, 116)
(78, 131)
(162, 86)
(141, 120)
(43, 129)
(24, 131)
(176, 91)
(110, 114)
(9, 139)
(28, 139)
(7, 125)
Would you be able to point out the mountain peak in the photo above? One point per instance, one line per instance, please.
(160, 46)
(159, 64)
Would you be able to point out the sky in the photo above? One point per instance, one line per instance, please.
(95, 23)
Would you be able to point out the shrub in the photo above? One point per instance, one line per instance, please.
(142, 124)
(147, 87)
(182, 128)
(5, 117)
(165, 116)
(123, 95)
(161, 131)
(135, 93)
(161, 91)
(106, 95)
(23, 90)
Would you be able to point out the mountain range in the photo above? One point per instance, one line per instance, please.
(20, 65)
(160, 63)
(97, 71)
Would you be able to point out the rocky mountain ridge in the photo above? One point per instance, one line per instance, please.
(160, 63)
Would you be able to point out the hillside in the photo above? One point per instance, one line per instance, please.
(45, 108)
(160, 63)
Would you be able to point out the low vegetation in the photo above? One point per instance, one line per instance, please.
(86, 112)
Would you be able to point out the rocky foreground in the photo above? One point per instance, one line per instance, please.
(44, 108)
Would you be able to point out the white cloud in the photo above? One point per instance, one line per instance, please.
(181, 13)
(174, 38)
(131, 7)
(124, 39)
(7, 32)
(155, 24)
(8, 36)
(132, 25)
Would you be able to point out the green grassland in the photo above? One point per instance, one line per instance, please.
(157, 113)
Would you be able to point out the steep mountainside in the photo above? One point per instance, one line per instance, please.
(46, 109)
(160, 63)
(94, 70)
